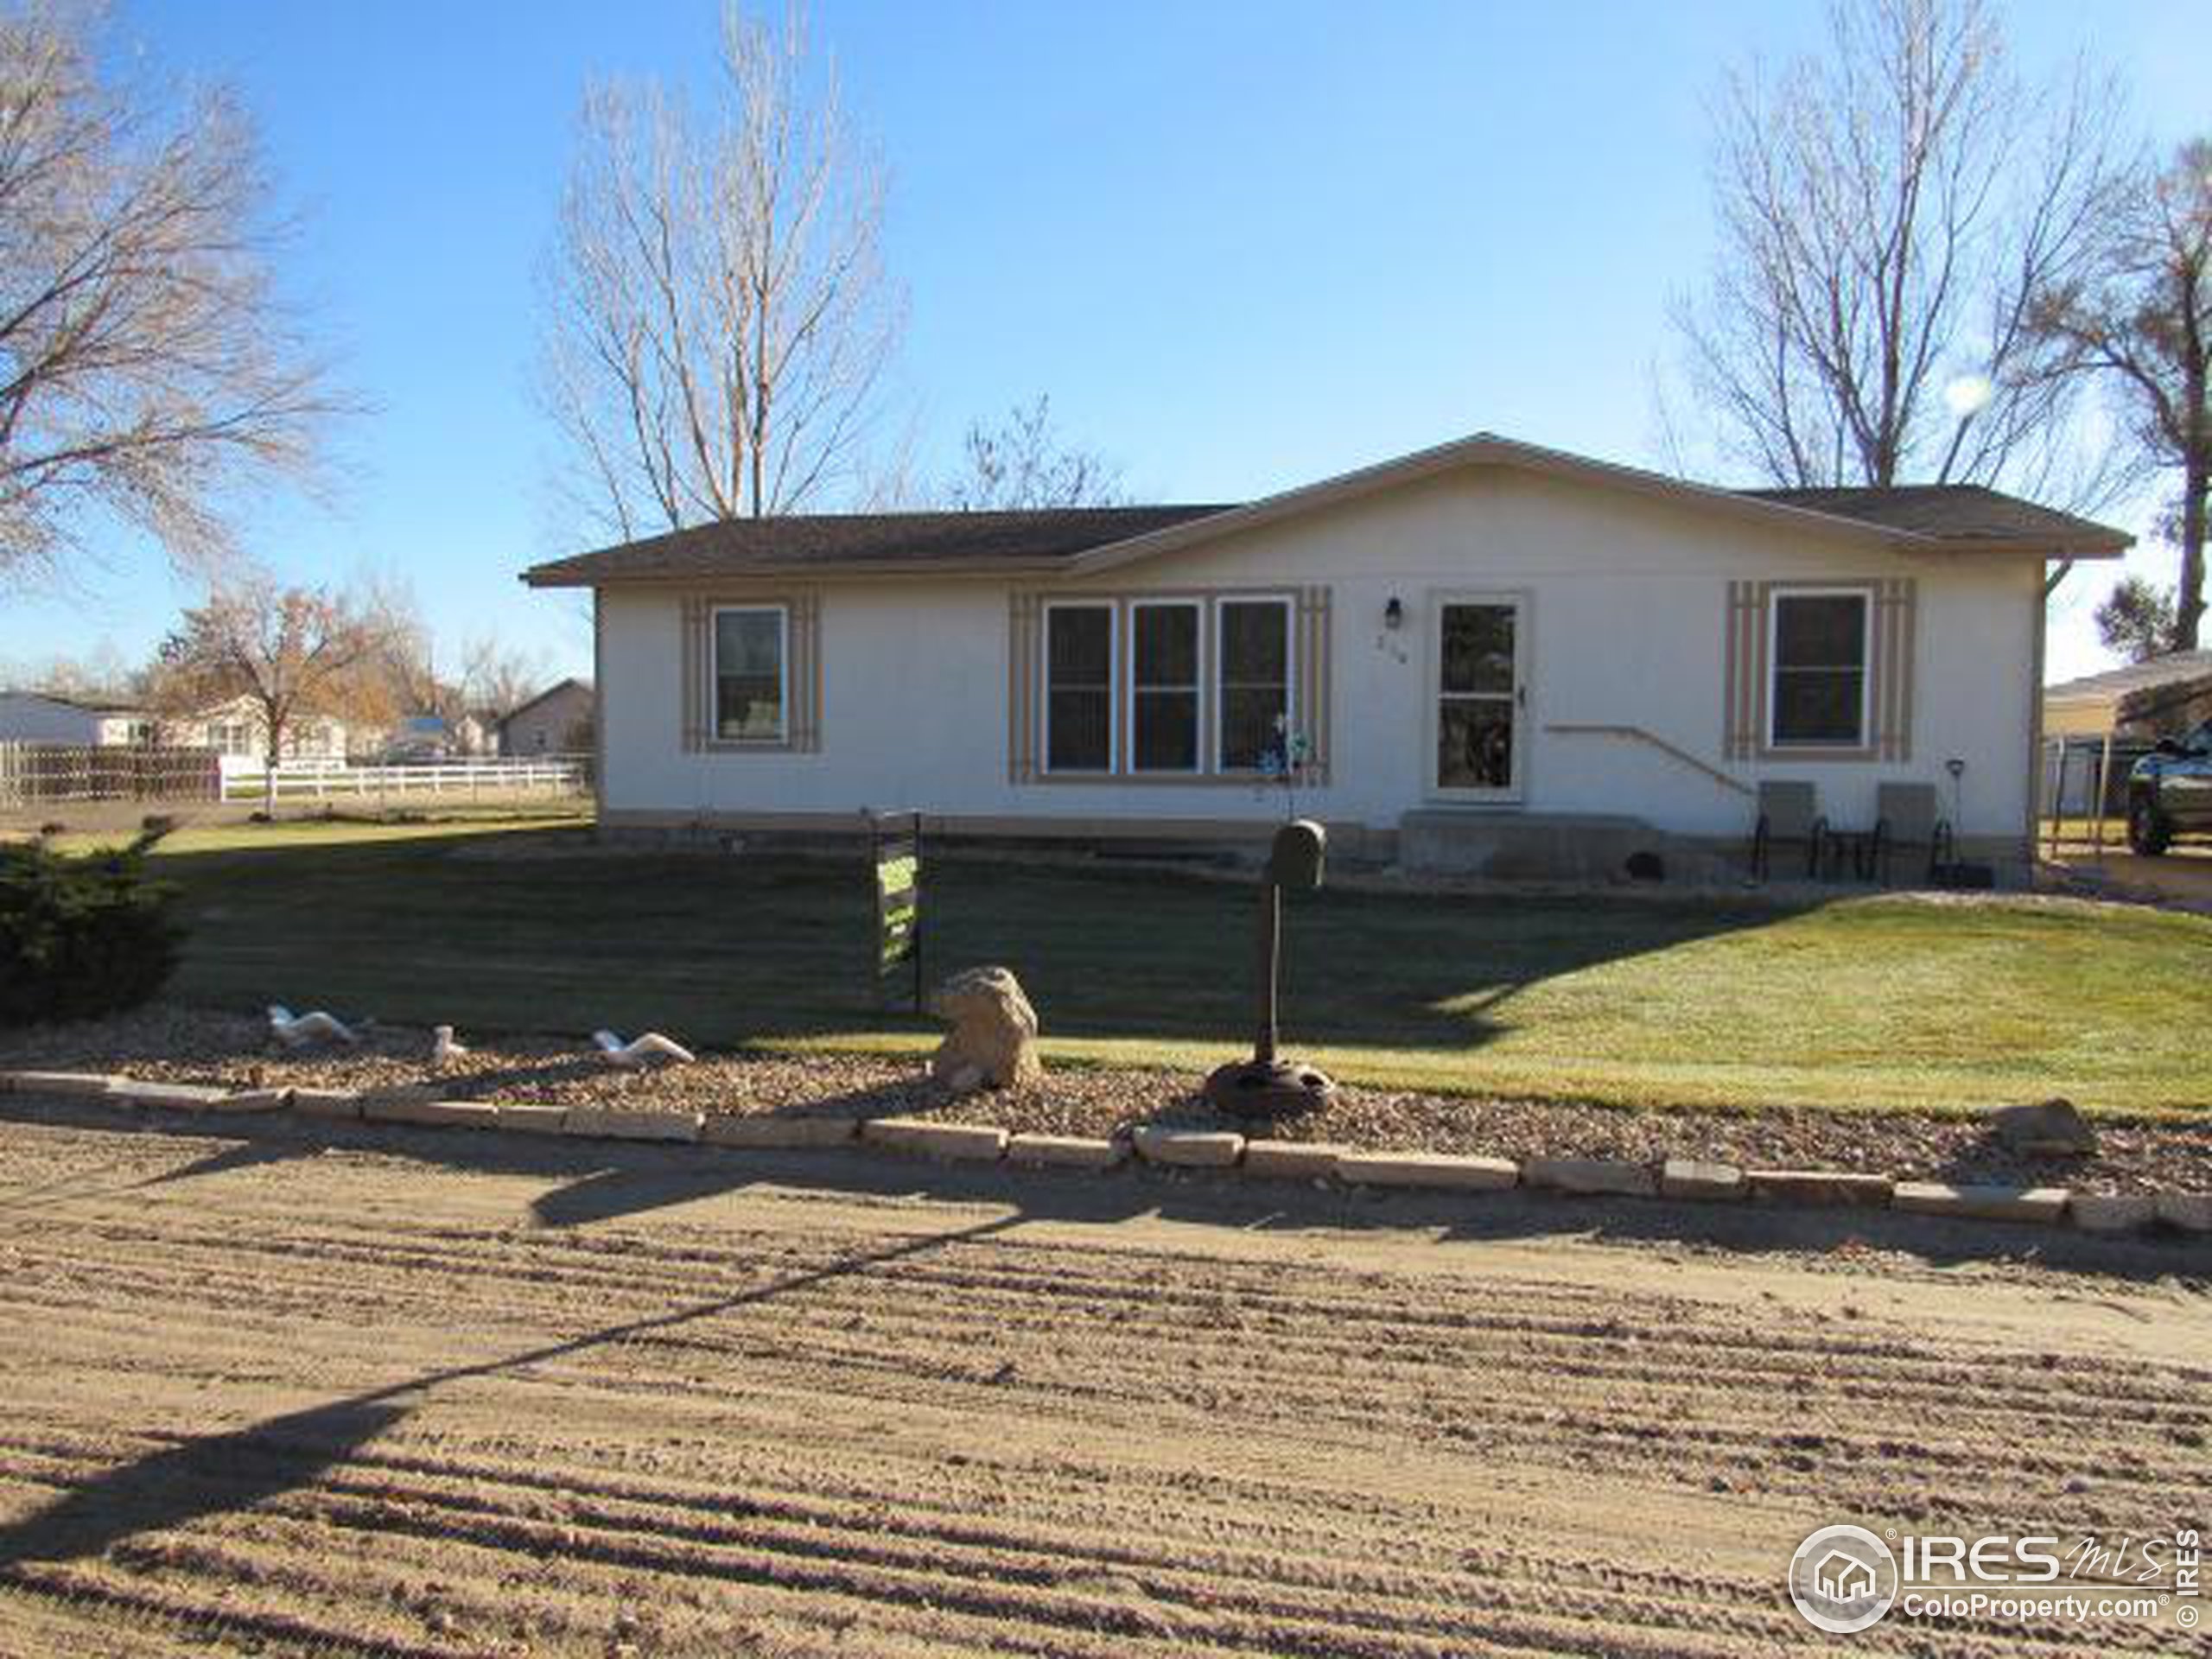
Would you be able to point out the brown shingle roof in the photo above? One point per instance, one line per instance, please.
(865, 540)
(1964, 516)
(1953, 512)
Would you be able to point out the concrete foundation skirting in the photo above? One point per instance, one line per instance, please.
(1679, 1179)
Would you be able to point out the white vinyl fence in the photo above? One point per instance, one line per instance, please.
(318, 780)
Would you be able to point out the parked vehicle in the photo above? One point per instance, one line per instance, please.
(2169, 792)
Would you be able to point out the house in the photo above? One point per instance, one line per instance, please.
(237, 731)
(1843, 1578)
(48, 717)
(1486, 656)
(558, 720)
(2162, 698)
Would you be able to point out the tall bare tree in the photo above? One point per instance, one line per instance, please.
(289, 652)
(146, 371)
(497, 679)
(1023, 462)
(1889, 210)
(717, 315)
(2140, 322)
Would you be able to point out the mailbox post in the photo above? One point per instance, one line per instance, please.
(1267, 1085)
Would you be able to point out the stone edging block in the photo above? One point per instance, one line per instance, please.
(769, 1132)
(630, 1123)
(2190, 1211)
(1695, 1179)
(164, 1096)
(1589, 1177)
(1820, 1186)
(335, 1105)
(1189, 1148)
(976, 1143)
(2113, 1212)
(1292, 1160)
(61, 1082)
(433, 1113)
(1445, 1171)
(1066, 1152)
(534, 1120)
(2036, 1204)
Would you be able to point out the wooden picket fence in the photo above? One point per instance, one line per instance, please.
(35, 774)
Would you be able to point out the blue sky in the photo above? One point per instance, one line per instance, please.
(1241, 246)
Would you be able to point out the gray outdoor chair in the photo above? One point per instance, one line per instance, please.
(1906, 816)
(1789, 814)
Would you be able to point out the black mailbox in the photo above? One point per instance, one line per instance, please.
(1295, 860)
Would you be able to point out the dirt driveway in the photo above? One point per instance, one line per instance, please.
(445, 1396)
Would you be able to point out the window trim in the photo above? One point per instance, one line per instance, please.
(1863, 739)
(1045, 767)
(782, 613)
(1217, 683)
(1200, 702)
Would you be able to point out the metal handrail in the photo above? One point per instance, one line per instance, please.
(1637, 734)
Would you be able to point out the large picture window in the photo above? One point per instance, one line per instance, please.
(1080, 687)
(1821, 648)
(1163, 686)
(1255, 680)
(750, 689)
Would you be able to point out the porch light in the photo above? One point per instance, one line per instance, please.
(1394, 613)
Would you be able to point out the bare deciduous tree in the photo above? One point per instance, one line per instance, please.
(717, 316)
(1024, 463)
(496, 680)
(288, 651)
(145, 370)
(1889, 211)
(2141, 323)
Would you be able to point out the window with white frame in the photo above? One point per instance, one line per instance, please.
(1163, 686)
(751, 689)
(1821, 647)
(1252, 657)
(1080, 687)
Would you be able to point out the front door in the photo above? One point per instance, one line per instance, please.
(1477, 727)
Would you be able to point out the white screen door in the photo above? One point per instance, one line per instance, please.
(1478, 725)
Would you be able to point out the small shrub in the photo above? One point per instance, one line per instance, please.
(81, 937)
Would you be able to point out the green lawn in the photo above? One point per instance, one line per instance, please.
(1862, 1002)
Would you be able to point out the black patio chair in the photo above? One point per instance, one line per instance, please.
(1789, 814)
(1907, 816)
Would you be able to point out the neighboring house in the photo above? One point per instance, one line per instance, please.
(2163, 697)
(46, 717)
(558, 720)
(232, 729)
(236, 731)
(1484, 649)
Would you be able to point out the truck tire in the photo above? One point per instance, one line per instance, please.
(2148, 832)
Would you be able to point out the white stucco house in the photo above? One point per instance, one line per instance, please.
(232, 729)
(1483, 647)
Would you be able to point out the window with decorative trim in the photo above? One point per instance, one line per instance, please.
(1079, 687)
(1822, 647)
(1165, 678)
(1198, 687)
(752, 673)
(1818, 670)
(751, 692)
(1254, 674)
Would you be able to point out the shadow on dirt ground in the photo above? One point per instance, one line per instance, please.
(222, 1473)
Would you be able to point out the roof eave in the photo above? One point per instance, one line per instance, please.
(826, 570)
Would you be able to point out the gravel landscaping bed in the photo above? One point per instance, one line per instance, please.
(190, 1045)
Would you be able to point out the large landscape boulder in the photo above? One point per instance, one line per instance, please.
(993, 1043)
(2050, 1129)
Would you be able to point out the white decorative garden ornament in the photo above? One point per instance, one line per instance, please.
(298, 1030)
(638, 1051)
